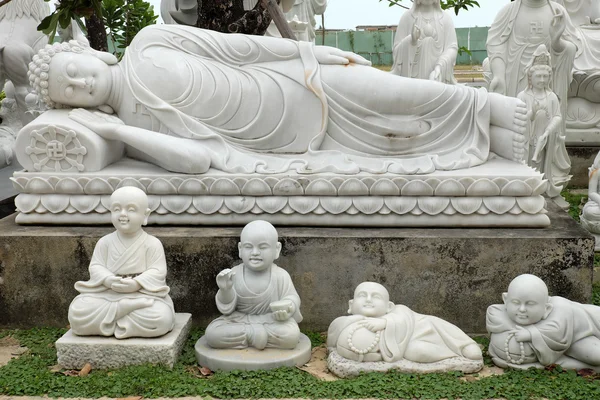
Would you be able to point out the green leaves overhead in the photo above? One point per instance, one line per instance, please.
(457, 5)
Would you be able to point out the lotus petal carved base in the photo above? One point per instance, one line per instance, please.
(498, 193)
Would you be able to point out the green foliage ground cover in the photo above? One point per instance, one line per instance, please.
(31, 375)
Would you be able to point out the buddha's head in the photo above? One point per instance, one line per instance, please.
(258, 245)
(129, 209)
(370, 300)
(527, 300)
(71, 75)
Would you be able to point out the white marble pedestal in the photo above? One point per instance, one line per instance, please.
(108, 352)
(345, 368)
(252, 359)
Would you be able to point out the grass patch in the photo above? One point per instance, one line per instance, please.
(30, 375)
(575, 201)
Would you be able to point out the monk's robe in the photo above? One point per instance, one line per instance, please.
(407, 335)
(248, 321)
(552, 337)
(99, 310)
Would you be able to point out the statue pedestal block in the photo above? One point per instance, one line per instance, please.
(252, 359)
(108, 352)
(454, 274)
(345, 368)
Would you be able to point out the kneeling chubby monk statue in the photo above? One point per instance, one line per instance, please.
(127, 295)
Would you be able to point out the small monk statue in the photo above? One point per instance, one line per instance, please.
(127, 295)
(259, 303)
(532, 329)
(379, 330)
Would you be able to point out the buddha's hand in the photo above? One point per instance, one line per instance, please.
(126, 285)
(498, 85)
(436, 74)
(374, 324)
(103, 124)
(225, 279)
(284, 311)
(415, 34)
(109, 281)
(521, 334)
(559, 25)
(331, 56)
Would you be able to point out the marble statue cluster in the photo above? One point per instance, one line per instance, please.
(425, 45)
(590, 215)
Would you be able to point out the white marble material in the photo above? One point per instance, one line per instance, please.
(583, 109)
(250, 359)
(126, 295)
(378, 331)
(74, 351)
(351, 119)
(425, 45)
(532, 329)
(498, 193)
(19, 40)
(590, 216)
(547, 151)
(303, 12)
(260, 306)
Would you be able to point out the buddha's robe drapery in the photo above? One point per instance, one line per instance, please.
(552, 337)
(438, 46)
(266, 105)
(516, 49)
(248, 321)
(404, 335)
(588, 35)
(96, 310)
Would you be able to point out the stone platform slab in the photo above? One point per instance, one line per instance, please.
(251, 359)
(108, 352)
(454, 274)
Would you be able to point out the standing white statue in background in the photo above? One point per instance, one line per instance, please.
(532, 329)
(380, 331)
(518, 30)
(19, 40)
(426, 45)
(259, 303)
(547, 151)
(127, 295)
(305, 11)
(192, 99)
(590, 216)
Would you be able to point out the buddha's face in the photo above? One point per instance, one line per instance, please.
(129, 210)
(540, 79)
(526, 302)
(79, 80)
(370, 300)
(258, 246)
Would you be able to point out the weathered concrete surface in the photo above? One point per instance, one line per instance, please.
(582, 159)
(74, 352)
(451, 273)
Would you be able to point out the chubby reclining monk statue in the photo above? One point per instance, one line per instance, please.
(126, 295)
(192, 99)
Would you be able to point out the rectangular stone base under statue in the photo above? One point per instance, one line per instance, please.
(454, 274)
(108, 352)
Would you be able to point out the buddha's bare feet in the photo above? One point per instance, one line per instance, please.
(508, 125)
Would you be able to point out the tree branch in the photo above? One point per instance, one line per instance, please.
(279, 19)
(4, 2)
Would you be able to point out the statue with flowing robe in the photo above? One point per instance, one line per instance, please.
(425, 45)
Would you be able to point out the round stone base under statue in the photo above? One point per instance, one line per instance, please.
(250, 358)
(345, 368)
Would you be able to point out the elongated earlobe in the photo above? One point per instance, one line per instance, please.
(108, 58)
(106, 109)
